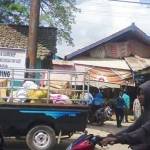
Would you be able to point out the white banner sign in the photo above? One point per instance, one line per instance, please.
(12, 59)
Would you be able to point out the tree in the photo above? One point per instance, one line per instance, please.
(11, 11)
(56, 13)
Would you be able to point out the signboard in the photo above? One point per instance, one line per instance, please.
(12, 59)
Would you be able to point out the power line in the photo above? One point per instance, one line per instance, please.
(126, 1)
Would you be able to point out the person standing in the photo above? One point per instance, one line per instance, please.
(98, 100)
(137, 135)
(119, 110)
(46, 64)
(88, 98)
(137, 108)
(126, 99)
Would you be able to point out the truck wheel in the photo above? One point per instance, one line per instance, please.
(41, 137)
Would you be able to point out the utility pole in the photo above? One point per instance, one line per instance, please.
(33, 32)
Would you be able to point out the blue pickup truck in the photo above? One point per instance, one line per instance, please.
(40, 124)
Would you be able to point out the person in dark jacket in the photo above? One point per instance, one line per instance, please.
(126, 99)
(1, 141)
(47, 61)
(138, 134)
(119, 110)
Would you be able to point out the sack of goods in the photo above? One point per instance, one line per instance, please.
(60, 99)
(36, 95)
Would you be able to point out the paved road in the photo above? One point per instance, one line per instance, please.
(20, 145)
(13, 144)
(109, 127)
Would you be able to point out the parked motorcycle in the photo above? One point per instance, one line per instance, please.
(85, 142)
(100, 115)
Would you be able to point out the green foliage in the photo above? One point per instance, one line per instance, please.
(12, 11)
(56, 13)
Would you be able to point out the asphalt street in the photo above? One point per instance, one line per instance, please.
(109, 127)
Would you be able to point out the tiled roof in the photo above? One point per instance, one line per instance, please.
(16, 36)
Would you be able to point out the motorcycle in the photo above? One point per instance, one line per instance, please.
(100, 115)
(85, 142)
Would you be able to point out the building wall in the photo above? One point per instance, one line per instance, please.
(121, 49)
(140, 49)
(63, 67)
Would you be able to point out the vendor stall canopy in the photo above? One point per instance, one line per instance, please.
(107, 77)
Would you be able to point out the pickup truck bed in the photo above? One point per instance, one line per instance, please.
(40, 123)
(17, 119)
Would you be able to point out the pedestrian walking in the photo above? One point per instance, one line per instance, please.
(138, 134)
(119, 110)
(126, 99)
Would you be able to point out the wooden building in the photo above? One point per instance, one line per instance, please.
(116, 54)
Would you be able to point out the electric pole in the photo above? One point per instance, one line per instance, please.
(33, 32)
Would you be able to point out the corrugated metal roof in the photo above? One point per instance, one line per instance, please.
(133, 29)
(108, 63)
(137, 63)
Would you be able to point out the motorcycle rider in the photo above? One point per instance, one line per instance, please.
(138, 134)
(1, 140)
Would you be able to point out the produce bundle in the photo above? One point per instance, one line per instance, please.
(36, 95)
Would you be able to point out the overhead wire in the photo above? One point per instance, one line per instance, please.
(125, 1)
(104, 11)
(108, 13)
(115, 13)
(118, 13)
(103, 4)
(132, 2)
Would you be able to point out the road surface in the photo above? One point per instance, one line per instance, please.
(109, 127)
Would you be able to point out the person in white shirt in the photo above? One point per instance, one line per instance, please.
(136, 109)
(88, 98)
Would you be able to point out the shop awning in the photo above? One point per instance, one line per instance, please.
(107, 77)
(106, 62)
(137, 63)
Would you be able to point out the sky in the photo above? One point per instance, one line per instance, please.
(101, 18)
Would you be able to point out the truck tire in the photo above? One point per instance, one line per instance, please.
(41, 137)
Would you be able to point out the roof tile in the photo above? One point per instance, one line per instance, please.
(16, 36)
